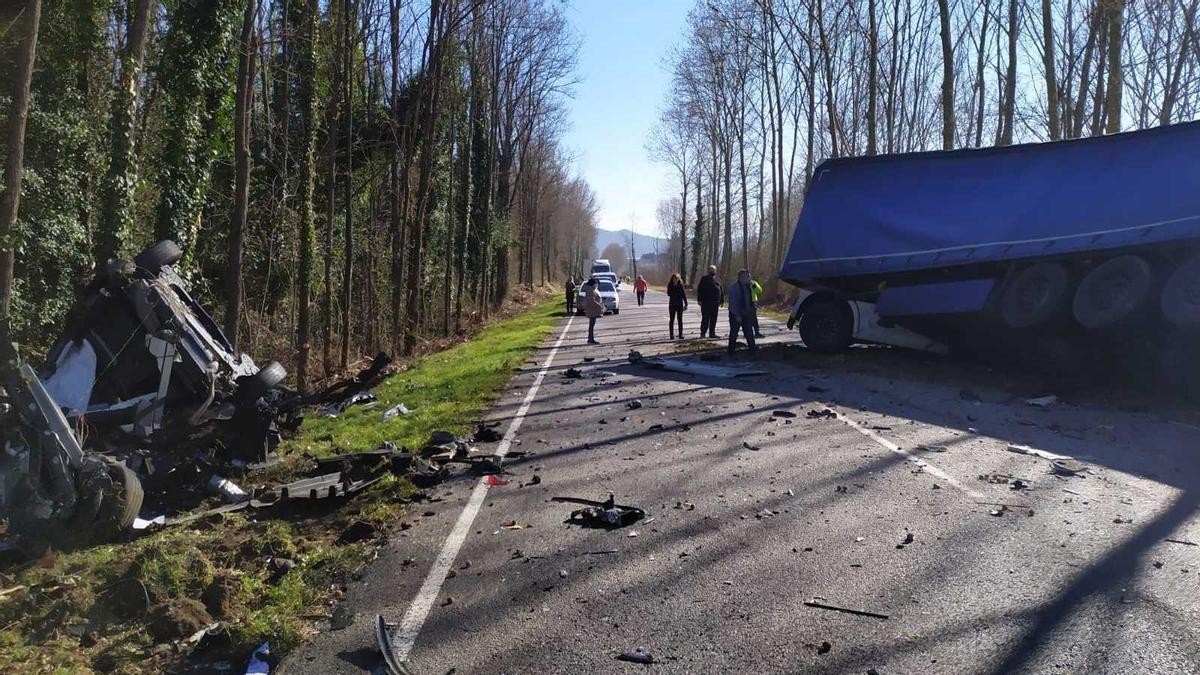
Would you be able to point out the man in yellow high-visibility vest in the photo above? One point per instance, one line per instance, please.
(756, 291)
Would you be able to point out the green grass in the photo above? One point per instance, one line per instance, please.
(445, 390)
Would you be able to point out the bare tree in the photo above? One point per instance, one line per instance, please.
(10, 202)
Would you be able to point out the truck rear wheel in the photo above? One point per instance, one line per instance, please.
(1111, 291)
(1181, 295)
(1033, 295)
(827, 326)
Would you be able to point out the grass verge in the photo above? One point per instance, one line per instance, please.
(265, 575)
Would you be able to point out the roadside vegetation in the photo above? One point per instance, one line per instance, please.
(263, 576)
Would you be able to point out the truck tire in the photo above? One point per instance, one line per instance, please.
(1180, 300)
(165, 252)
(827, 326)
(1034, 295)
(1111, 291)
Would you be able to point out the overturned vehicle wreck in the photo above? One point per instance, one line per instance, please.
(139, 354)
(143, 399)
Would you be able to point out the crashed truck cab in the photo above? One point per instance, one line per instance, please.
(140, 354)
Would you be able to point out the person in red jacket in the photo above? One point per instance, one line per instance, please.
(639, 287)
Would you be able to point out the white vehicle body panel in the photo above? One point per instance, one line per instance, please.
(868, 329)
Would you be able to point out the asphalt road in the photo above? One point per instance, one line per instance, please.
(885, 508)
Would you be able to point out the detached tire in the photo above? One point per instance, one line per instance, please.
(1111, 291)
(165, 252)
(1034, 295)
(1180, 300)
(827, 326)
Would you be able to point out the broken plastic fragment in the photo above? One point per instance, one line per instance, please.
(394, 411)
(142, 523)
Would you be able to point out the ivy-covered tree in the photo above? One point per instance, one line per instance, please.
(196, 77)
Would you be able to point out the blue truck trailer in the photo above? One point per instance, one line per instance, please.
(1089, 241)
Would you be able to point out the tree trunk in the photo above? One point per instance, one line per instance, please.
(1051, 78)
(348, 187)
(873, 77)
(306, 72)
(241, 161)
(116, 218)
(1112, 101)
(429, 94)
(947, 76)
(1010, 80)
(14, 161)
(979, 79)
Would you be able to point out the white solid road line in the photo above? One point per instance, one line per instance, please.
(410, 626)
(926, 466)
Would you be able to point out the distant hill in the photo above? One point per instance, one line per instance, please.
(644, 243)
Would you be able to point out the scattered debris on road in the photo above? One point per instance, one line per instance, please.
(486, 433)
(1068, 467)
(636, 656)
(604, 515)
(786, 414)
(691, 367)
(1182, 541)
(383, 639)
(823, 414)
(846, 610)
(1042, 401)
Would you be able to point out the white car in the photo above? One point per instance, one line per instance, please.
(608, 295)
(610, 277)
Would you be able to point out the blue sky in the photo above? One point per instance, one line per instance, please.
(623, 83)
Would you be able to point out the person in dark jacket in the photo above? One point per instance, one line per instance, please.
(677, 304)
(710, 295)
(743, 315)
(570, 294)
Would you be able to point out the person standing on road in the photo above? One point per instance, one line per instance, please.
(756, 291)
(742, 314)
(710, 295)
(570, 294)
(639, 287)
(677, 304)
(593, 306)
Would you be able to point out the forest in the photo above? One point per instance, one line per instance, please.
(764, 90)
(343, 176)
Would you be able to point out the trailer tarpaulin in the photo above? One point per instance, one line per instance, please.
(895, 213)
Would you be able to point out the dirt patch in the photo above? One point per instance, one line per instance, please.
(177, 619)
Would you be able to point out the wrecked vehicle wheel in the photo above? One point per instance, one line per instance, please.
(110, 499)
(827, 326)
(165, 252)
(257, 385)
(123, 503)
